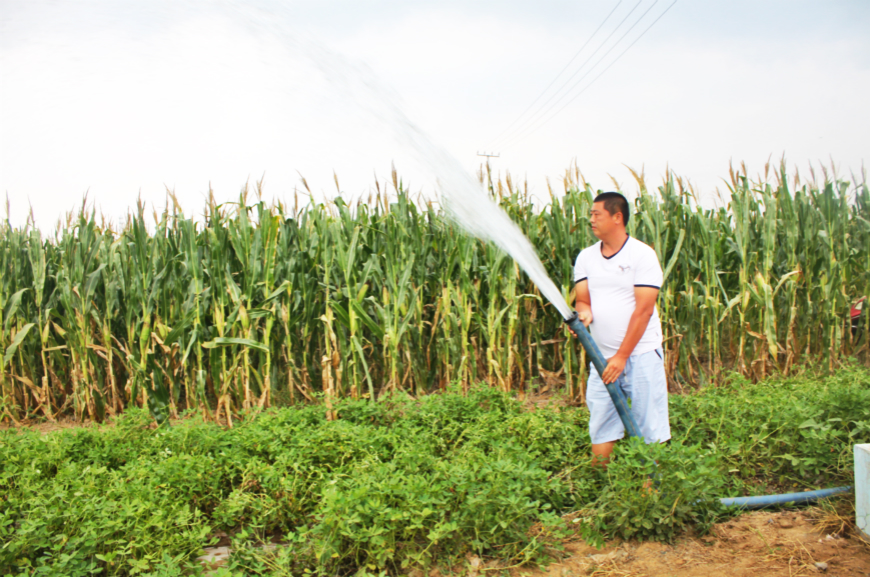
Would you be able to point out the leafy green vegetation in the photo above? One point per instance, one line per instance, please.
(405, 483)
(676, 482)
(258, 303)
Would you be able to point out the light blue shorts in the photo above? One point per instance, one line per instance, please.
(644, 383)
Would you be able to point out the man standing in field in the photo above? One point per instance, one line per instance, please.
(617, 281)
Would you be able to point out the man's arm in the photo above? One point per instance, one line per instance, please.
(582, 302)
(645, 304)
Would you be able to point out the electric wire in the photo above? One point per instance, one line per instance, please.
(609, 65)
(561, 72)
(525, 123)
(527, 133)
(544, 117)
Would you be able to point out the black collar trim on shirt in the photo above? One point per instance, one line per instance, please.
(617, 252)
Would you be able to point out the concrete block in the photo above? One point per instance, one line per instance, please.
(862, 489)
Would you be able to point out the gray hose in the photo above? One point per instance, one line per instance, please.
(619, 400)
(773, 500)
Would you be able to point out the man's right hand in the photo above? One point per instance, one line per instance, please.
(582, 304)
(584, 317)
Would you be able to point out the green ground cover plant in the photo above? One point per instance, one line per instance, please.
(404, 483)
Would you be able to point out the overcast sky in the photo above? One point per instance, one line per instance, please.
(125, 98)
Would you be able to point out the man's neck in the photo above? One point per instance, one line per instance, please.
(611, 245)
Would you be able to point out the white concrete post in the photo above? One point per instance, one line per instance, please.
(862, 489)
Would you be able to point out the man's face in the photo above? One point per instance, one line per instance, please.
(603, 223)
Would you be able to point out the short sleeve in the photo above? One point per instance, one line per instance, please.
(579, 269)
(648, 270)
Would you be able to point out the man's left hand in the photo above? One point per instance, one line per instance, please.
(614, 368)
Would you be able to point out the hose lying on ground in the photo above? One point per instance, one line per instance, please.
(763, 501)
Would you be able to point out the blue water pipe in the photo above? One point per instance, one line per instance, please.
(621, 404)
(786, 498)
(616, 394)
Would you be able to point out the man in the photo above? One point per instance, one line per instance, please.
(617, 281)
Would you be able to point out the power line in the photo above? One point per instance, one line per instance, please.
(533, 126)
(561, 72)
(615, 60)
(523, 126)
(608, 66)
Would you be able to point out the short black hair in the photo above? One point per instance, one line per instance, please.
(613, 203)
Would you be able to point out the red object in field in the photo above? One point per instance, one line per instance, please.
(856, 308)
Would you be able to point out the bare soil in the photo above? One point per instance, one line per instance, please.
(757, 544)
(46, 427)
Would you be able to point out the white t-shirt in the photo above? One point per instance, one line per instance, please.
(611, 282)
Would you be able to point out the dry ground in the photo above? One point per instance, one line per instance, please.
(48, 426)
(757, 544)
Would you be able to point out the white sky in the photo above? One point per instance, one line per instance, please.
(122, 98)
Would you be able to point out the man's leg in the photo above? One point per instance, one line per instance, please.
(649, 396)
(601, 453)
(605, 426)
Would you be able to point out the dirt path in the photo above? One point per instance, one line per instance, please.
(758, 544)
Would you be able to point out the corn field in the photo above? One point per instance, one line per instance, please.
(262, 304)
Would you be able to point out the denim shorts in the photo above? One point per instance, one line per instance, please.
(645, 385)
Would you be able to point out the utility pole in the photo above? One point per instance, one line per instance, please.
(488, 172)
